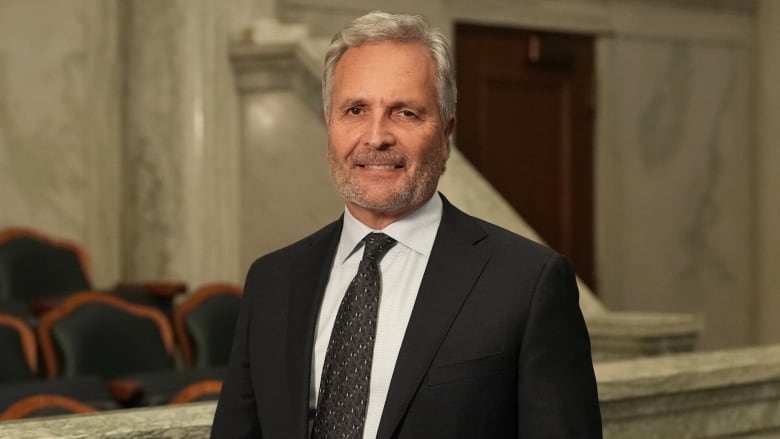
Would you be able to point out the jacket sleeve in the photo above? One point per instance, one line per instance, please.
(557, 394)
(236, 415)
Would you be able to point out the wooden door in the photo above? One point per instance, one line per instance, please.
(525, 119)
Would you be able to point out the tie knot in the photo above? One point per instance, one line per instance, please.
(377, 244)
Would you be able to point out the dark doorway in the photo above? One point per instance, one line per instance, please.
(525, 120)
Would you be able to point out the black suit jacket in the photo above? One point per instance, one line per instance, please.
(496, 346)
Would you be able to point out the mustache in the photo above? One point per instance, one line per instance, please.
(373, 156)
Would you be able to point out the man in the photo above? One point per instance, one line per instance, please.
(452, 327)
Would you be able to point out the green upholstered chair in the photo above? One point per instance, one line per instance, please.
(35, 267)
(204, 324)
(24, 393)
(43, 397)
(19, 348)
(38, 271)
(131, 346)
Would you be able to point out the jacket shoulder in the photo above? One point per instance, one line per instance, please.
(288, 253)
(495, 236)
(507, 238)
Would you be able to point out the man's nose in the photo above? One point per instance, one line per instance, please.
(379, 133)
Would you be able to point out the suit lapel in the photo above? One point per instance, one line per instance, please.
(309, 277)
(453, 268)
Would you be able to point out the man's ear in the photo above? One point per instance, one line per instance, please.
(449, 128)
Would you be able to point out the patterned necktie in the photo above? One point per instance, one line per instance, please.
(344, 388)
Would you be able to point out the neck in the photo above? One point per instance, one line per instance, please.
(377, 219)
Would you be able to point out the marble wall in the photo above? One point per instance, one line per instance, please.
(119, 130)
(288, 191)
(676, 200)
(767, 164)
(60, 124)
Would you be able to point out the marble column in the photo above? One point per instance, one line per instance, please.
(768, 162)
(180, 151)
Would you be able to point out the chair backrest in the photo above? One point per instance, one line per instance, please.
(44, 405)
(93, 333)
(204, 324)
(34, 266)
(39, 396)
(19, 348)
(205, 390)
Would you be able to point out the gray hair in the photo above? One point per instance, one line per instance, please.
(380, 26)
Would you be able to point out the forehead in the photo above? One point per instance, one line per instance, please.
(385, 66)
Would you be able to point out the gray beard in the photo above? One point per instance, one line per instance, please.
(415, 191)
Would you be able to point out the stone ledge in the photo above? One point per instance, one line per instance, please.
(733, 393)
(188, 421)
(637, 378)
(620, 335)
(705, 394)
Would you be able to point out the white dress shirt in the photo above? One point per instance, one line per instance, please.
(402, 271)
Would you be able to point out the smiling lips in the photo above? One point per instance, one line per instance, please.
(380, 167)
(373, 160)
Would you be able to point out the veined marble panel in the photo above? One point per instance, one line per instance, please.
(288, 192)
(683, 20)
(59, 124)
(679, 153)
(768, 139)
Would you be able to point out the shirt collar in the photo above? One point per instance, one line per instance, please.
(416, 231)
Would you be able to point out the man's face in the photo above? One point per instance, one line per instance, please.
(387, 145)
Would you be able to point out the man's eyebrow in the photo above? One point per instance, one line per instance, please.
(352, 102)
(360, 102)
(416, 106)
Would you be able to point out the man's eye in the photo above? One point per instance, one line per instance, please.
(408, 113)
(354, 110)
